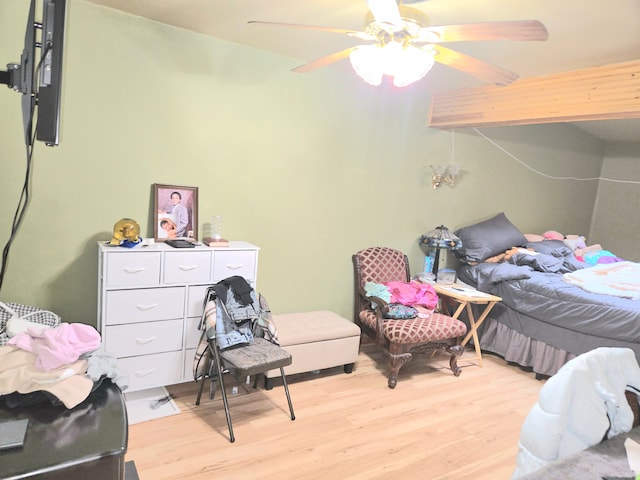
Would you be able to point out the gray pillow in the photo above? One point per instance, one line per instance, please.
(487, 239)
(551, 247)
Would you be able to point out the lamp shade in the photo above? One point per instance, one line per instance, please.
(406, 64)
(441, 237)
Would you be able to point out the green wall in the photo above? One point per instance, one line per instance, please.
(311, 167)
(617, 216)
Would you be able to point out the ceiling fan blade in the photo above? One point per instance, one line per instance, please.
(385, 11)
(351, 33)
(473, 66)
(526, 30)
(324, 61)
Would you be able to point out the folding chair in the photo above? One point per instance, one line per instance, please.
(252, 359)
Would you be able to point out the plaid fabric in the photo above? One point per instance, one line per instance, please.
(265, 326)
(417, 330)
(202, 358)
(27, 312)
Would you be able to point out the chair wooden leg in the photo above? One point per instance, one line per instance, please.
(286, 390)
(396, 361)
(456, 352)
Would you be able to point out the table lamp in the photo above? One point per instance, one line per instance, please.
(438, 239)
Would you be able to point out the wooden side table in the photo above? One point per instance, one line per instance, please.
(466, 297)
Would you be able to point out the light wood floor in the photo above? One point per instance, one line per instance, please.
(432, 426)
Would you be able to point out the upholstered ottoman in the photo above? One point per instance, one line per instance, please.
(316, 340)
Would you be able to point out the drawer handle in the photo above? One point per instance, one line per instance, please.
(235, 267)
(186, 268)
(146, 307)
(134, 269)
(145, 373)
(143, 341)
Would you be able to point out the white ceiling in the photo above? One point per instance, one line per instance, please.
(582, 34)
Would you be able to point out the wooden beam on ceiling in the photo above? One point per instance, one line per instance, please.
(609, 92)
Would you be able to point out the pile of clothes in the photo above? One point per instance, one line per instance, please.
(406, 299)
(61, 365)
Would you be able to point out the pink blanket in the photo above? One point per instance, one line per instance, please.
(58, 346)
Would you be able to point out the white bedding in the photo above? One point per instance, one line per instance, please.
(621, 279)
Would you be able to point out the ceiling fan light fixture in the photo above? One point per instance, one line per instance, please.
(394, 18)
(384, 11)
(406, 64)
(366, 60)
(389, 23)
(411, 65)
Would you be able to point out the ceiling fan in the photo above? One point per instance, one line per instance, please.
(400, 35)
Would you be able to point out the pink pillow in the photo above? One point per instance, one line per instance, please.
(532, 237)
(553, 235)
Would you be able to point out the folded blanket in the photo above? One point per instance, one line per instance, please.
(19, 373)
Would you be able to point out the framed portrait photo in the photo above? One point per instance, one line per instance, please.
(176, 210)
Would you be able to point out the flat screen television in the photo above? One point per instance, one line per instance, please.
(40, 81)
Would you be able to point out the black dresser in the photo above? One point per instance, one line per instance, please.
(86, 442)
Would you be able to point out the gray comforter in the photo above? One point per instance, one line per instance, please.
(539, 304)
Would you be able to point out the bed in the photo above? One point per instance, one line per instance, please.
(543, 321)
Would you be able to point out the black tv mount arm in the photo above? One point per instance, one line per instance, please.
(11, 77)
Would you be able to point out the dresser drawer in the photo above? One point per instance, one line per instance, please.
(187, 267)
(133, 269)
(189, 358)
(153, 370)
(195, 300)
(143, 338)
(143, 305)
(192, 335)
(234, 262)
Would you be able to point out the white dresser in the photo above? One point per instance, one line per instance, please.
(150, 302)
